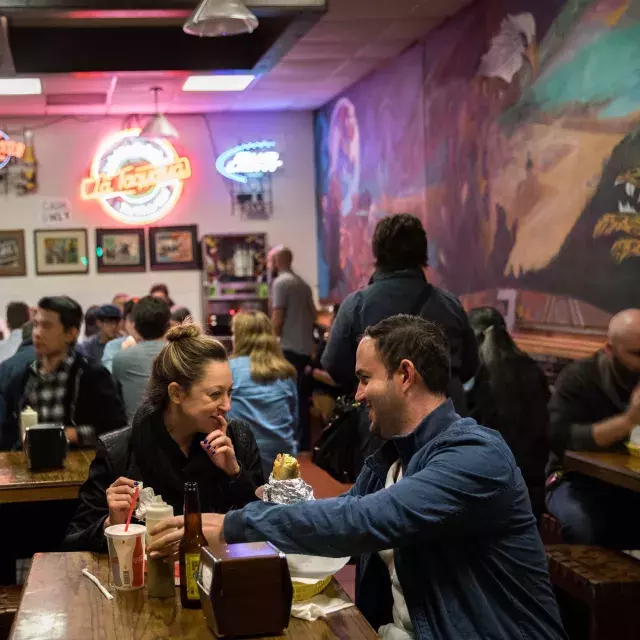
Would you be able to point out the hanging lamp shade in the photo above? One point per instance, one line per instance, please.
(158, 126)
(214, 18)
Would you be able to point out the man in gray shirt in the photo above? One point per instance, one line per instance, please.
(294, 313)
(132, 367)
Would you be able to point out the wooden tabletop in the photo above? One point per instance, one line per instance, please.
(620, 469)
(59, 603)
(18, 484)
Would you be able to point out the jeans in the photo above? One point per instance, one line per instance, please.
(596, 513)
(303, 434)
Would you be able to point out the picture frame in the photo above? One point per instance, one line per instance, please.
(121, 250)
(13, 260)
(61, 252)
(174, 248)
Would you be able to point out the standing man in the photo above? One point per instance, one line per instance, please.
(439, 518)
(61, 385)
(132, 367)
(294, 313)
(108, 320)
(595, 406)
(399, 285)
(17, 317)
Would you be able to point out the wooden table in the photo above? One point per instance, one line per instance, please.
(18, 484)
(620, 469)
(58, 603)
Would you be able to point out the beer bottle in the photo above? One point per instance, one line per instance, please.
(192, 541)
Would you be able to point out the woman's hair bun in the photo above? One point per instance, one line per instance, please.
(184, 331)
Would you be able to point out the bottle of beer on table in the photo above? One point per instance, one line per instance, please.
(192, 541)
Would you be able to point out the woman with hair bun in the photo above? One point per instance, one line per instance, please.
(510, 394)
(179, 434)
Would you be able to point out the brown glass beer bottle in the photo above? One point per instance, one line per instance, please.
(192, 541)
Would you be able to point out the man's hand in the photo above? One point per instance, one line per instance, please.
(171, 530)
(633, 410)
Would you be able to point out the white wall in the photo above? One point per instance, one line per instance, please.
(65, 150)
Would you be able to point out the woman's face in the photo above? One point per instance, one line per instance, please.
(208, 398)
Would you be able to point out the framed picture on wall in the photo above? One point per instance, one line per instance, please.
(121, 250)
(174, 248)
(61, 251)
(12, 256)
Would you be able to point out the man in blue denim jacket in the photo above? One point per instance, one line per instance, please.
(439, 517)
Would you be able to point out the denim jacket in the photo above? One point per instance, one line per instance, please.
(467, 551)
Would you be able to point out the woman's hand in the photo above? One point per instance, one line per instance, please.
(219, 448)
(171, 530)
(119, 497)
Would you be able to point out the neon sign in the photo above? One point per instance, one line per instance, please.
(136, 180)
(9, 149)
(252, 159)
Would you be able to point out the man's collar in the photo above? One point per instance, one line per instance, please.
(65, 363)
(413, 274)
(432, 425)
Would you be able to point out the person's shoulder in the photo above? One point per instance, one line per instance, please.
(239, 365)
(581, 373)
(116, 443)
(472, 437)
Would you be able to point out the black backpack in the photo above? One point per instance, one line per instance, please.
(339, 449)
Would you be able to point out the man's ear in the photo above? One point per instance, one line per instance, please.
(608, 349)
(408, 374)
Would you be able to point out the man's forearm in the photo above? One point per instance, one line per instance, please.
(612, 431)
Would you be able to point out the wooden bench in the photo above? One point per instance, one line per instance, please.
(9, 603)
(550, 530)
(606, 581)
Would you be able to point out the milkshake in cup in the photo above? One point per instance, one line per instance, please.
(126, 555)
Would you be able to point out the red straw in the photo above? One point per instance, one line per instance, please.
(131, 508)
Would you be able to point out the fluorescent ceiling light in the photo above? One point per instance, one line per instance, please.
(217, 83)
(20, 87)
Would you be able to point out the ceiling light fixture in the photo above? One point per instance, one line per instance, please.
(20, 87)
(218, 83)
(214, 18)
(158, 126)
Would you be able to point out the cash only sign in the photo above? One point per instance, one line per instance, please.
(136, 180)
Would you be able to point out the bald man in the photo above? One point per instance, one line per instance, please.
(595, 406)
(293, 316)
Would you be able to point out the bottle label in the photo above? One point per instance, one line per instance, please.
(191, 566)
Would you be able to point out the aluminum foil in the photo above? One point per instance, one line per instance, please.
(145, 498)
(287, 491)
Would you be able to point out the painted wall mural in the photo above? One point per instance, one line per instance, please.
(513, 132)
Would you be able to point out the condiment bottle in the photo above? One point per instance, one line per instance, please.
(28, 418)
(160, 574)
(192, 541)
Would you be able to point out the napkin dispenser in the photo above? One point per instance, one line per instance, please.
(45, 446)
(245, 589)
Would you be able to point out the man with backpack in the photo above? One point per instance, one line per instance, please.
(399, 285)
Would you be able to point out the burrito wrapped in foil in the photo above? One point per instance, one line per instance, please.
(285, 485)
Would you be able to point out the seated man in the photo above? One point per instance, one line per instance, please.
(439, 516)
(132, 367)
(595, 406)
(108, 320)
(61, 385)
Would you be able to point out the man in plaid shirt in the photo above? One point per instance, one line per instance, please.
(61, 385)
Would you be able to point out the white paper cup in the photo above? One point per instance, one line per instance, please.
(126, 555)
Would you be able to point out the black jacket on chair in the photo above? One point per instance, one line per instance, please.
(146, 452)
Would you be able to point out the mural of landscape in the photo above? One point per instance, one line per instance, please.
(513, 132)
